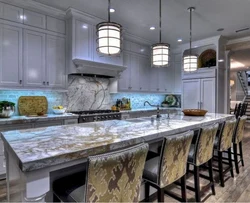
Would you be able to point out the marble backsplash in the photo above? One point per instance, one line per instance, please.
(85, 93)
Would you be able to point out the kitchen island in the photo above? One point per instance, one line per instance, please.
(34, 155)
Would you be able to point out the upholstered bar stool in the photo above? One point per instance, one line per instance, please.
(237, 141)
(110, 177)
(201, 153)
(222, 144)
(169, 167)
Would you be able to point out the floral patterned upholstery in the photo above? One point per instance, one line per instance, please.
(225, 138)
(116, 176)
(239, 132)
(202, 151)
(173, 159)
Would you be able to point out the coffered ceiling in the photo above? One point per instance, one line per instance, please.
(138, 15)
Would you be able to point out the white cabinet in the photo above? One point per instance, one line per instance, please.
(56, 25)
(166, 79)
(55, 62)
(177, 77)
(10, 56)
(11, 13)
(199, 93)
(34, 59)
(153, 78)
(134, 72)
(144, 70)
(34, 19)
(124, 80)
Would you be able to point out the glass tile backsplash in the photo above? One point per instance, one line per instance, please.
(137, 99)
(54, 98)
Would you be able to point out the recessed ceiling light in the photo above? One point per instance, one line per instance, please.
(220, 29)
(195, 46)
(22, 17)
(152, 28)
(111, 10)
(220, 60)
(142, 50)
(179, 40)
(85, 27)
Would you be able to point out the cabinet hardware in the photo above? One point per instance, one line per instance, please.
(47, 83)
(44, 83)
(20, 81)
(140, 88)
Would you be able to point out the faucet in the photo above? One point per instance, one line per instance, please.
(158, 115)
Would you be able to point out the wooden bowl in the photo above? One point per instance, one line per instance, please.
(194, 112)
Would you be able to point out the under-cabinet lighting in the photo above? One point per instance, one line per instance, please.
(152, 28)
(179, 40)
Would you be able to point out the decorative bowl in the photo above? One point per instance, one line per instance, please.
(194, 112)
(7, 112)
(59, 111)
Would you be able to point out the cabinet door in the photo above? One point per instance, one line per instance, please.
(34, 19)
(177, 77)
(208, 94)
(10, 56)
(56, 25)
(34, 59)
(153, 78)
(13, 13)
(144, 68)
(191, 94)
(166, 79)
(124, 80)
(56, 64)
(134, 72)
(82, 40)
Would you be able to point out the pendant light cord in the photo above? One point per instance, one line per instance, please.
(160, 19)
(109, 12)
(190, 31)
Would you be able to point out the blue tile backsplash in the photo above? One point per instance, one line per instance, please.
(54, 98)
(137, 99)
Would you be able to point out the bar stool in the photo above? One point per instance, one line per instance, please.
(169, 167)
(201, 153)
(222, 144)
(110, 177)
(237, 140)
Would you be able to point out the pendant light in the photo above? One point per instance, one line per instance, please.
(109, 37)
(190, 61)
(160, 51)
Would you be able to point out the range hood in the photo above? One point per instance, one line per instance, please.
(98, 69)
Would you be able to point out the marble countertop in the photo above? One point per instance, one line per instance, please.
(26, 119)
(149, 109)
(43, 147)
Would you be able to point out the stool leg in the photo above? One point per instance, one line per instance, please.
(236, 158)
(160, 194)
(183, 189)
(221, 169)
(197, 183)
(147, 190)
(187, 171)
(229, 152)
(241, 153)
(210, 165)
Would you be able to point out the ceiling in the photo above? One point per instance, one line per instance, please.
(137, 16)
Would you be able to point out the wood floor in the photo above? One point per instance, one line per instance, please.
(236, 189)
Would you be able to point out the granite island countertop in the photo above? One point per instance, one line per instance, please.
(150, 109)
(43, 147)
(27, 119)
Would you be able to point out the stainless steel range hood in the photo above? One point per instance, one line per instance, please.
(90, 68)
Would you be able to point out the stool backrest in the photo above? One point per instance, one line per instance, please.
(173, 158)
(238, 110)
(226, 135)
(205, 144)
(116, 176)
(239, 129)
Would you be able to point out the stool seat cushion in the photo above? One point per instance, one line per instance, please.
(151, 169)
(70, 188)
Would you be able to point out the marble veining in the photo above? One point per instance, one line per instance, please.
(26, 119)
(43, 147)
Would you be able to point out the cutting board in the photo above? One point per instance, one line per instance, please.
(32, 105)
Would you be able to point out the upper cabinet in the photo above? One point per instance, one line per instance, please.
(11, 13)
(56, 25)
(34, 19)
(11, 70)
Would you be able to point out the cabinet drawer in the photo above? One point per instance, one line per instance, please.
(71, 122)
(34, 19)
(48, 124)
(55, 25)
(10, 127)
(12, 13)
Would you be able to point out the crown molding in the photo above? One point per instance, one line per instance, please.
(36, 6)
(238, 40)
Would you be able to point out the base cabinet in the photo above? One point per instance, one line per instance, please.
(199, 94)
